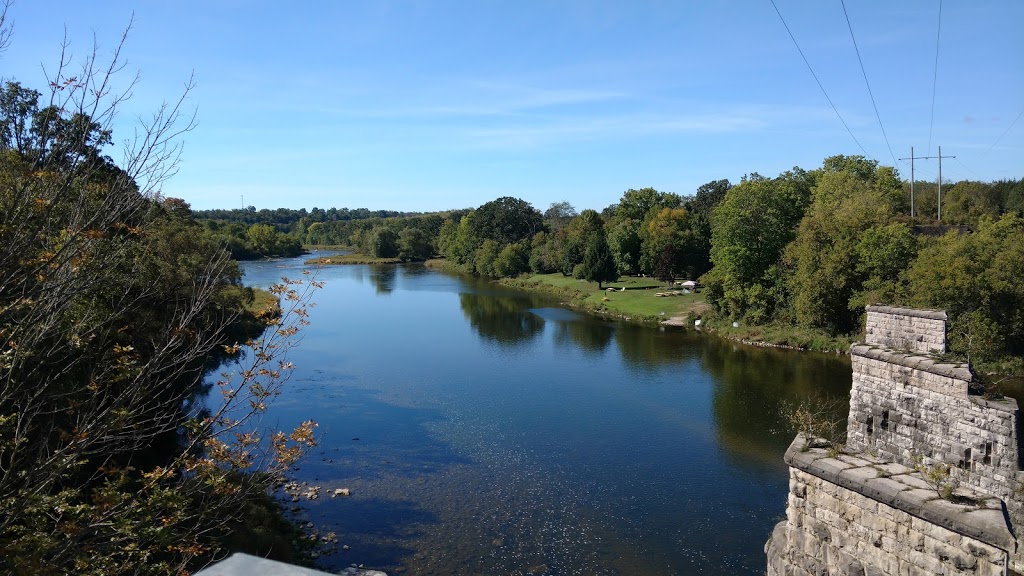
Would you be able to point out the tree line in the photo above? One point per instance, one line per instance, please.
(806, 248)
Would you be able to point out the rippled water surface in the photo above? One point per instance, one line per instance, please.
(483, 431)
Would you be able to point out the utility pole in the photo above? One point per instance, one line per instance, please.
(912, 179)
(940, 180)
(912, 158)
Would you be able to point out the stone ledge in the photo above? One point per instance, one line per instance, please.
(900, 487)
(914, 312)
(913, 361)
(239, 564)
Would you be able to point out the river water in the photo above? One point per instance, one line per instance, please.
(485, 431)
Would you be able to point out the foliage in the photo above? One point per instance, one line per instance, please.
(113, 303)
(484, 258)
(545, 256)
(576, 237)
(383, 243)
(826, 272)
(625, 244)
(978, 279)
(414, 244)
(937, 476)
(513, 260)
(666, 240)
(507, 220)
(598, 264)
(821, 422)
(558, 215)
(750, 228)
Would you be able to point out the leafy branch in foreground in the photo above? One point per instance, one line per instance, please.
(114, 305)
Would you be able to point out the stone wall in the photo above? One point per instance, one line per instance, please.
(906, 329)
(901, 528)
(866, 510)
(902, 406)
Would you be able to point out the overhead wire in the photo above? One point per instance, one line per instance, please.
(1005, 132)
(864, 72)
(935, 78)
(966, 168)
(809, 68)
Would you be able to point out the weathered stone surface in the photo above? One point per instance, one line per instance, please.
(815, 538)
(906, 329)
(871, 512)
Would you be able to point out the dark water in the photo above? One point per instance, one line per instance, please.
(490, 432)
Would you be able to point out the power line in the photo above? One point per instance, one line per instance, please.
(834, 109)
(1005, 132)
(868, 84)
(935, 78)
(968, 169)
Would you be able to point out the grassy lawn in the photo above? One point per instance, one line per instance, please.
(638, 301)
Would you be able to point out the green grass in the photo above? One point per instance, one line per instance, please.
(782, 335)
(638, 302)
(262, 300)
(351, 259)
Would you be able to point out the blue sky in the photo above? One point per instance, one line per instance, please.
(432, 105)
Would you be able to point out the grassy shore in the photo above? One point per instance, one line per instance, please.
(262, 300)
(350, 259)
(630, 298)
(779, 336)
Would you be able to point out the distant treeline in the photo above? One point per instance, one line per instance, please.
(249, 233)
(805, 248)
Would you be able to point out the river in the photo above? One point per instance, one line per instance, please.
(485, 431)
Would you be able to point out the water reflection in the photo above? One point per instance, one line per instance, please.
(383, 278)
(754, 385)
(646, 348)
(576, 331)
(501, 318)
(595, 448)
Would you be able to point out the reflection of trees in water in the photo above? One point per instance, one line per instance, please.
(504, 319)
(753, 385)
(647, 348)
(592, 337)
(383, 278)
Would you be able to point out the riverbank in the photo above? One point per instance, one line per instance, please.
(635, 299)
(632, 299)
(339, 259)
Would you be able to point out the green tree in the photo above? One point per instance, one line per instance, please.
(113, 303)
(624, 242)
(383, 243)
(749, 230)
(574, 239)
(666, 242)
(512, 260)
(484, 258)
(414, 244)
(978, 278)
(823, 257)
(507, 220)
(966, 202)
(558, 215)
(598, 264)
(636, 204)
(700, 207)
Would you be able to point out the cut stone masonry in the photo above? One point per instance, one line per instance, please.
(867, 511)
